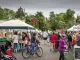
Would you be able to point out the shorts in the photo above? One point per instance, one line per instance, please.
(53, 42)
(45, 38)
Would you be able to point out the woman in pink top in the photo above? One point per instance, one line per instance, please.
(53, 40)
(61, 47)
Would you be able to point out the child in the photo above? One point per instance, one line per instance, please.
(8, 51)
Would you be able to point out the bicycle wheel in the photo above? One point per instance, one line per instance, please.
(39, 52)
(25, 53)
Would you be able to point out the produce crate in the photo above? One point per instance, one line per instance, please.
(2, 43)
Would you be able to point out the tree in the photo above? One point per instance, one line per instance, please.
(11, 14)
(20, 13)
(1, 13)
(78, 20)
(52, 16)
(69, 17)
(28, 18)
(53, 22)
(34, 20)
(41, 20)
(60, 20)
(6, 13)
(47, 24)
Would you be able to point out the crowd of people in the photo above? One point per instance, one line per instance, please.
(19, 40)
(62, 41)
(27, 38)
(59, 41)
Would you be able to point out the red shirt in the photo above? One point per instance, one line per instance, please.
(8, 52)
(73, 42)
(27, 38)
(53, 38)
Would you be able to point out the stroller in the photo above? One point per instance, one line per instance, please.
(3, 49)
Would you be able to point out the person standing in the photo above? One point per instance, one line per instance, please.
(33, 42)
(61, 47)
(15, 41)
(26, 40)
(78, 39)
(20, 36)
(69, 41)
(73, 41)
(53, 40)
(57, 40)
(45, 36)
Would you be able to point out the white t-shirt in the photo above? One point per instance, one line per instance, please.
(45, 34)
(15, 38)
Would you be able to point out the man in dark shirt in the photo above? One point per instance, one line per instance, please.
(69, 41)
(33, 42)
(57, 40)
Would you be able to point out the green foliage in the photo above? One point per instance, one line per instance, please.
(20, 13)
(28, 18)
(1, 13)
(41, 20)
(6, 14)
(54, 21)
(62, 20)
(12, 14)
(52, 16)
(69, 15)
(78, 19)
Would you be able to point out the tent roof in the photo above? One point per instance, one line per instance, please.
(15, 24)
(73, 28)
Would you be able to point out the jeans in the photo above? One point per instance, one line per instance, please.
(69, 45)
(33, 45)
(57, 44)
(61, 55)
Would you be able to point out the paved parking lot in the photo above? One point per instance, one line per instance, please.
(47, 54)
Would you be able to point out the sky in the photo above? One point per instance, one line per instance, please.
(32, 6)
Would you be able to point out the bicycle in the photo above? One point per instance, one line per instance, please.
(27, 51)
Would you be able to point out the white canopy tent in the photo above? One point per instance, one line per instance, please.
(77, 27)
(15, 24)
(73, 28)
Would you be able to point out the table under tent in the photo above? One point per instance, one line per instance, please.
(15, 24)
